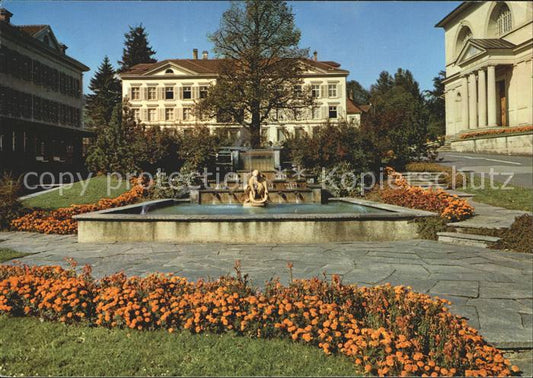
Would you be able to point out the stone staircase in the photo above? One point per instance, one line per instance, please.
(426, 180)
(483, 229)
(471, 240)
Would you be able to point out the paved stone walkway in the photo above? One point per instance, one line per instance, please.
(493, 289)
(488, 216)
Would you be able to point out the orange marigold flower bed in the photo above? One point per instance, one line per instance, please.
(447, 205)
(60, 221)
(508, 130)
(385, 330)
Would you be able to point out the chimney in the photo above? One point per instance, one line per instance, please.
(315, 55)
(205, 54)
(63, 48)
(5, 15)
(195, 53)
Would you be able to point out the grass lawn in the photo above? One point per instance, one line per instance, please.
(516, 199)
(31, 347)
(8, 254)
(96, 189)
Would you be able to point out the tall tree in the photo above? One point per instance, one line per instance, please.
(404, 78)
(262, 66)
(136, 48)
(397, 124)
(106, 94)
(436, 106)
(357, 93)
(384, 83)
(119, 145)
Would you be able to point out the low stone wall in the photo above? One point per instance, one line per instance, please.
(521, 144)
(127, 224)
(302, 231)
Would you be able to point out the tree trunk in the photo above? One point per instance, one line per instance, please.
(255, 127)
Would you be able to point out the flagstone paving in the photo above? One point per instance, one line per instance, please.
(493, 289)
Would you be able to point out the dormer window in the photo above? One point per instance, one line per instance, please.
(169, 71)
(46, 40)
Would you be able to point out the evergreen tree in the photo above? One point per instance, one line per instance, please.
(136, 48)
(436, 106)
(397, 124)
(119, 145)
(405, 79)
(384, 83)
(357, 93)
(106, 94)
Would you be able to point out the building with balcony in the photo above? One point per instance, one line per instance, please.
(165, 93)
(40, 100)
(489, 81)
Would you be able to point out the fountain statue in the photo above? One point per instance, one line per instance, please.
(256, 192)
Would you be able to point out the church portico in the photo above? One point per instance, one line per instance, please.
(489, 53)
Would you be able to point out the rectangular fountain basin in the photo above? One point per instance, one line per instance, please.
(180, 221)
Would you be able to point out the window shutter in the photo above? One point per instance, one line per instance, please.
(175, 116)
(341, 113)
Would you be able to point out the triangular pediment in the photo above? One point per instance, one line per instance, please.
(165, 70)
(309, 69)
(469, 51)
(46, 35)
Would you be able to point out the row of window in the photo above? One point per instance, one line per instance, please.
(43, 150)
(17, 104)
(187, 114)
(193, 92)
(168, 92)
(23, 67)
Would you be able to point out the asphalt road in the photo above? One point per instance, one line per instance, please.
(519, 168)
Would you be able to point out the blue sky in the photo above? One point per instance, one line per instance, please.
(365, 37)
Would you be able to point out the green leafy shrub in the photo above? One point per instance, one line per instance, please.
(461, 179)
(10, 206)
(428, 227)
(519, 237)
(328, 146)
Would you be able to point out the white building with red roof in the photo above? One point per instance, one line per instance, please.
(165, 93)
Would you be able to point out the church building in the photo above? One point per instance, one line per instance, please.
(489, 81)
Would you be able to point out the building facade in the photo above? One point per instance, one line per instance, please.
(165, 94)
(40, 100)
(489, 81)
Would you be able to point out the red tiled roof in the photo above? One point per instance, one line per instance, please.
(210, 66)
(31, 29)
(365, 108)
(351, 108)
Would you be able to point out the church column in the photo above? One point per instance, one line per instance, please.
(464, 103)
(482, 98)
(491, 95)
(472, 101)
